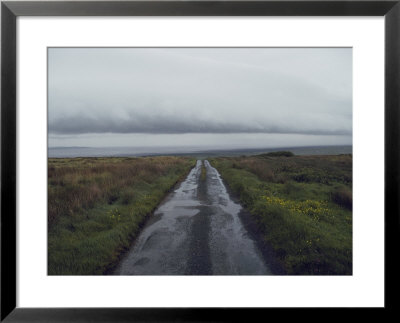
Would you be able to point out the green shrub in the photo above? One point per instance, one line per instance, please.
(127, 196)
(278, 154)
(343, 197)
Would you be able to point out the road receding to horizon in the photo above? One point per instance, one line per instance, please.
(197, 230)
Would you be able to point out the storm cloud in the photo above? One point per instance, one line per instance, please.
(177, 124)
(305, 91)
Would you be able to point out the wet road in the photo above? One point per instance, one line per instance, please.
(195, 231)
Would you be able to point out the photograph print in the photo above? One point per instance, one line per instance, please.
(199, 161)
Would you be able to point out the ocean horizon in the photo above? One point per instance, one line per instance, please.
(72, 152)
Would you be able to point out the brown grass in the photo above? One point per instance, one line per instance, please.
(322, 169)
(79, 183)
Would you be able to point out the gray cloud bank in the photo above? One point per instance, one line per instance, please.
(200, 90)
(177, 125)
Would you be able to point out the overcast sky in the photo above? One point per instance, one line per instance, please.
(206, 97)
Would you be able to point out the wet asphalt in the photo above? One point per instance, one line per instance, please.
(196, 230)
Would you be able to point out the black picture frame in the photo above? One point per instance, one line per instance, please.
(10, 10)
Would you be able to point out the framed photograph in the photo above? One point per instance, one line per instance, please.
(181, 160)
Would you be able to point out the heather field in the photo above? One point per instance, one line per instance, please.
(96, 207)
(302, 206)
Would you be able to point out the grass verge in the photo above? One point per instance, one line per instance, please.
(96, 207)
(302, 206)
